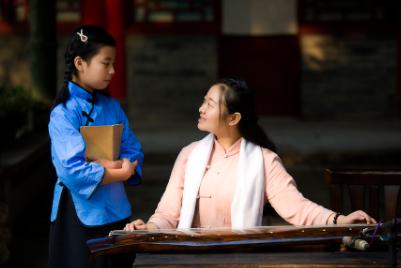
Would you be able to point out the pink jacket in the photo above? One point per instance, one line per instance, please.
(217, 188)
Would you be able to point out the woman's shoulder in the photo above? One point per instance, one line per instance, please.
(269, 155)
(186, 150)
(184, 153)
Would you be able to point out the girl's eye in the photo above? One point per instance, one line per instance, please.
(106, 63)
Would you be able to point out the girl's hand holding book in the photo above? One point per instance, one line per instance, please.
(120, 174)
(128, 167)
(110, 164)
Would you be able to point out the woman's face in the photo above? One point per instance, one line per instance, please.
(209, 111)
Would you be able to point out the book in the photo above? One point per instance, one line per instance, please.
(102, 142)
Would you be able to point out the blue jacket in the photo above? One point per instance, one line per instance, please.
(95, 204)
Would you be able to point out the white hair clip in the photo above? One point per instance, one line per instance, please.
(83, 37)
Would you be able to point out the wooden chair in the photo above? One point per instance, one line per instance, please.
(375, 191)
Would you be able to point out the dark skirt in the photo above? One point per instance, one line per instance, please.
(68, 236)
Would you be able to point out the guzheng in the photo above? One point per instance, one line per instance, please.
(202, 239)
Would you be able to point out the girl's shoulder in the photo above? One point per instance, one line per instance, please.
(67, 106)
(105, 98)
(62, 108)
(64, 112)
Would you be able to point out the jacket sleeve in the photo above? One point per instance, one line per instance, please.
(131, 148)
(68, 156)
(283, 195)
(168, 211)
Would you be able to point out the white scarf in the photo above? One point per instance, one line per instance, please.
(248, 199)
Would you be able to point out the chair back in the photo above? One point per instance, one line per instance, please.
(375, 191)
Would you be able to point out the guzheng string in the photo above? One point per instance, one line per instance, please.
(381, 226)
(375, 232)
(278, 228)
(214, 238)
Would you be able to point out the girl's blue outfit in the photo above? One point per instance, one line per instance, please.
(78, 190)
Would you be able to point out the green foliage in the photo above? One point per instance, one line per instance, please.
(14, 102)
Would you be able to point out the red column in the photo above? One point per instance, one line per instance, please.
(93, 12)
(115, 26)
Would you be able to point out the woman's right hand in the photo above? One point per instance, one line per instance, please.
(139, 224)
(358, 216)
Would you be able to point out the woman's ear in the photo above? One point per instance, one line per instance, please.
(79, 63)
(234, 119)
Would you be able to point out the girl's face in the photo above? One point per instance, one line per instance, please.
(97, 72)
(209, 112)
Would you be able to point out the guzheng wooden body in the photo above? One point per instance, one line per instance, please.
(225, 238)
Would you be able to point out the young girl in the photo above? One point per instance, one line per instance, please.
(225, 179)
(89, 196)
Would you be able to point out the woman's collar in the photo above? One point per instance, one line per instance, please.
(233, 149)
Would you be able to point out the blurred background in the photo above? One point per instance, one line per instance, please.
(327, 77)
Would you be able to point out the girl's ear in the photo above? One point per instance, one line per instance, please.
(79, 62)
(234, 119)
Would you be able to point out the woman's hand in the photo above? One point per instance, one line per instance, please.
(139, 224)
(358, 216)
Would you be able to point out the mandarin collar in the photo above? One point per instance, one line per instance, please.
(234, 149)
(80, 92)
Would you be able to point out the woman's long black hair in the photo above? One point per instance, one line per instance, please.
(238, 98)
(97, 37)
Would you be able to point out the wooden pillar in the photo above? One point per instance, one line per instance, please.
(93, 12)
(399, 53)
(116, 26)
(43, 49)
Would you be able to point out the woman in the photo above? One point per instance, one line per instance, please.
(225, 179)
